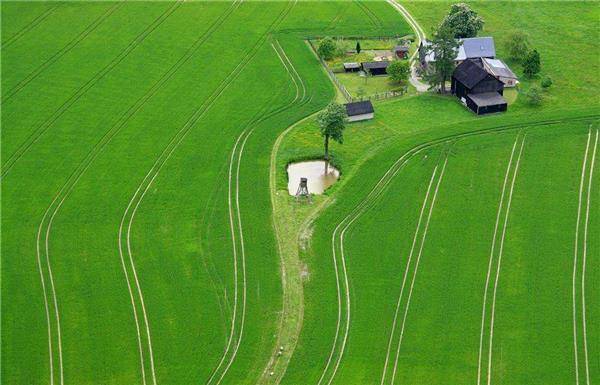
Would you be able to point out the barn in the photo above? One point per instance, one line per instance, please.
(376, 67)
(358, 111)
(477, 89)
(500, 70)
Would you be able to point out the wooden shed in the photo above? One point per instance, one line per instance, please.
(376, 67)
(358, 111)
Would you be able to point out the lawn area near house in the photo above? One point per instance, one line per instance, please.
(568, 50)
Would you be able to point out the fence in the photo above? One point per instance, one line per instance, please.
(344, 91)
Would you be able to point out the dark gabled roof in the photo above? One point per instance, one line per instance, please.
(351, 65)
(375, 64)
(470, 72)
(359, 108)
(487, 99)
(401, 48)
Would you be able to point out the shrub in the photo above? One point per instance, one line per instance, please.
(531, 64)
(546, 82)
(399, 70)
(533, 96)
(327, 48)
(517, 45)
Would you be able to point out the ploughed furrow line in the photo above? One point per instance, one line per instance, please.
(580, 248)
(409, 267)
(9, 41)
(81, 91)
(378, 190)
(495, 262)
(153, 172)
(45, 226)
(79, 38)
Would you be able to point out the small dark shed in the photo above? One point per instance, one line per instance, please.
(357, 111)
(470, 77)
(376, 67)
(351, 67)
(486, 103)
(401, 51)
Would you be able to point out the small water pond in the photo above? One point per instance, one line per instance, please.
(314, 171)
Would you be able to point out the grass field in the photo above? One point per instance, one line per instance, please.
(148, 237)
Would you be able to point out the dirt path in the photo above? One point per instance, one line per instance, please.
(420, 35)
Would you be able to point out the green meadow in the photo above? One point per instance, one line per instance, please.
(148, 236)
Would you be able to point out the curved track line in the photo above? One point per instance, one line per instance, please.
(410, 254)
(384, 181)
(69, 186)
(81, 91)
(414, 278)
(234, 211)
(28, 27)
(575, 255)
(181, 134)
(491, 259)
(585, 234)
(500, 251)
(85, 33)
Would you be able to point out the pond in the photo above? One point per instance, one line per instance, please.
(314, 171)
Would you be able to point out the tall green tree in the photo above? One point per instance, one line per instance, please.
(358, 47)
(444, 47)
(327, 48)
(399, 70)
(517, 45)
(531, 64)
(463, 21)
(332, 122)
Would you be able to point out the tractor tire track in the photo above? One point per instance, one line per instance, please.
(391, 172)
(414, 278)
(172, 146)
(78, 39)
(491, 258)
(66, 189)
(499, 265)
(576, 254)
(18, 35)
(406, 271)
(585, 234)
(81, 91)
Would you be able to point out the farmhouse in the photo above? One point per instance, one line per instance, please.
(500, 71)
(376, 67)
(351, 67)
(401, 51)
(470, 48)
(478, 89)
(358, 111)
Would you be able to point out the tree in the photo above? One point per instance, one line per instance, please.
(399, 70)
(531, 64)
(444, 47)
(463, 21)
(358, 47)
(517, 46)
(546, 82)
(534, 96)
(332, 121)
(327, 48)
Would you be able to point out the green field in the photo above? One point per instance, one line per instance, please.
(148, 236)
